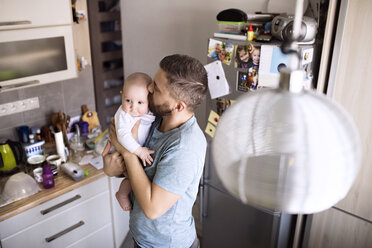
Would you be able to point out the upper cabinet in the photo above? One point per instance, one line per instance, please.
(18, 14)
(36, 43)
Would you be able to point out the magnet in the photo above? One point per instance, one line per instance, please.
(213, 118)
(210, 129)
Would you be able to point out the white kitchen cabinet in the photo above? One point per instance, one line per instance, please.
(36, 43)
(16, 14)
(79, 218)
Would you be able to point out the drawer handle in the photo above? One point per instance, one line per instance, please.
(61, 204)
(69, 229)
(14, 23)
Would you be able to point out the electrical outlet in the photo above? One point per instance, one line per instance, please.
(19, 106)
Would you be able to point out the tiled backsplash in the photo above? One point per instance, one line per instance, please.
(67, 96)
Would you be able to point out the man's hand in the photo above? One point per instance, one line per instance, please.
(114, 140)
(113, 164)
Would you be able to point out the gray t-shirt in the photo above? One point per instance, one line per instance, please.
(177, 167)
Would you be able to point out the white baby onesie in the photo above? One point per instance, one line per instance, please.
(124, 123)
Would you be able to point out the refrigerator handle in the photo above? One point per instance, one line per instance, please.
(201, 202)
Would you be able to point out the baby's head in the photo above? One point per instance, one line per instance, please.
(134, 94)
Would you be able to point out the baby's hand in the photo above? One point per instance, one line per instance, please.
(144, 154)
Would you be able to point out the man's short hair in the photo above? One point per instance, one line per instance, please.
(187, 79)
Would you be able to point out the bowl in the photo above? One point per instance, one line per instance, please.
(36, 159)
(19, 186)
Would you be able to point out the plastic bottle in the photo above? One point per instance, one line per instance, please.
(48, 180)
(250, 33)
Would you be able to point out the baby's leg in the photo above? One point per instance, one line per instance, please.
(123, 195)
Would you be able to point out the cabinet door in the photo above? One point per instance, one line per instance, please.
(36, 56)
(67, 227)
(17, 14)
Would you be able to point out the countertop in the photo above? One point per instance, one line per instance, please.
(63, 184)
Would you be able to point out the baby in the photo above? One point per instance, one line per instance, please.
(134, 107)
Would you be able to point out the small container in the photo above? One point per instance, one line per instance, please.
(38, 134)
(48, 180)
(31, 138)
(231, 27)
(84, 128)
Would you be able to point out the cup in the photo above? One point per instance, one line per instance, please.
(54, 160)
(38, 174)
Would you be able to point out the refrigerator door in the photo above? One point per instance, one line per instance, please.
(230, 223)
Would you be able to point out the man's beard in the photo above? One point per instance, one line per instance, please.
(159, 110)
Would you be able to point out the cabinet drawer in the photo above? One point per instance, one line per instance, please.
(53, 207)
(66, 227)
(101, 238)
(16, 14)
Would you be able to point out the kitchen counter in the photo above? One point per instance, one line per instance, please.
(63, 184)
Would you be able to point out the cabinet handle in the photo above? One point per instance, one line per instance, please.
(61, 204)
(63, 232)
(5, 87)
(15, 23)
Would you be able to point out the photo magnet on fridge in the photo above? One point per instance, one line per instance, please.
(220, 50)
(210, 129)
(217, 83)
(242, 83)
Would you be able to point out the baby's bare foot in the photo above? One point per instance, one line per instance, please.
(124, 201)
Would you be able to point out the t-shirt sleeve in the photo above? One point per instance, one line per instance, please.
(176, 171)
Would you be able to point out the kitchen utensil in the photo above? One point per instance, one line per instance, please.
(34, 149)
(60, 146)
(37, 174)
(91, 117)
(73, 170)
(11, 154)
(18, 186)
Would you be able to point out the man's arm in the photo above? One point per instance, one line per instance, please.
(154, 200)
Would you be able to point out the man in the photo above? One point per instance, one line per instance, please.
(165, 192)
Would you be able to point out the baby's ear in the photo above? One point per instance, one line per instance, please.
(121, 92)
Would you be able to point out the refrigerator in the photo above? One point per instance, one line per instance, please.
(226, 221)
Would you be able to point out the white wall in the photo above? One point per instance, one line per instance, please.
(152, 30)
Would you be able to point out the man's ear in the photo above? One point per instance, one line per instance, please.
(181, 105)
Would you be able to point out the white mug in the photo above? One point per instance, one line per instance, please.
(54, 160)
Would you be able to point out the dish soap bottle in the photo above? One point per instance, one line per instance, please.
(48, 180)
(250, 33)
